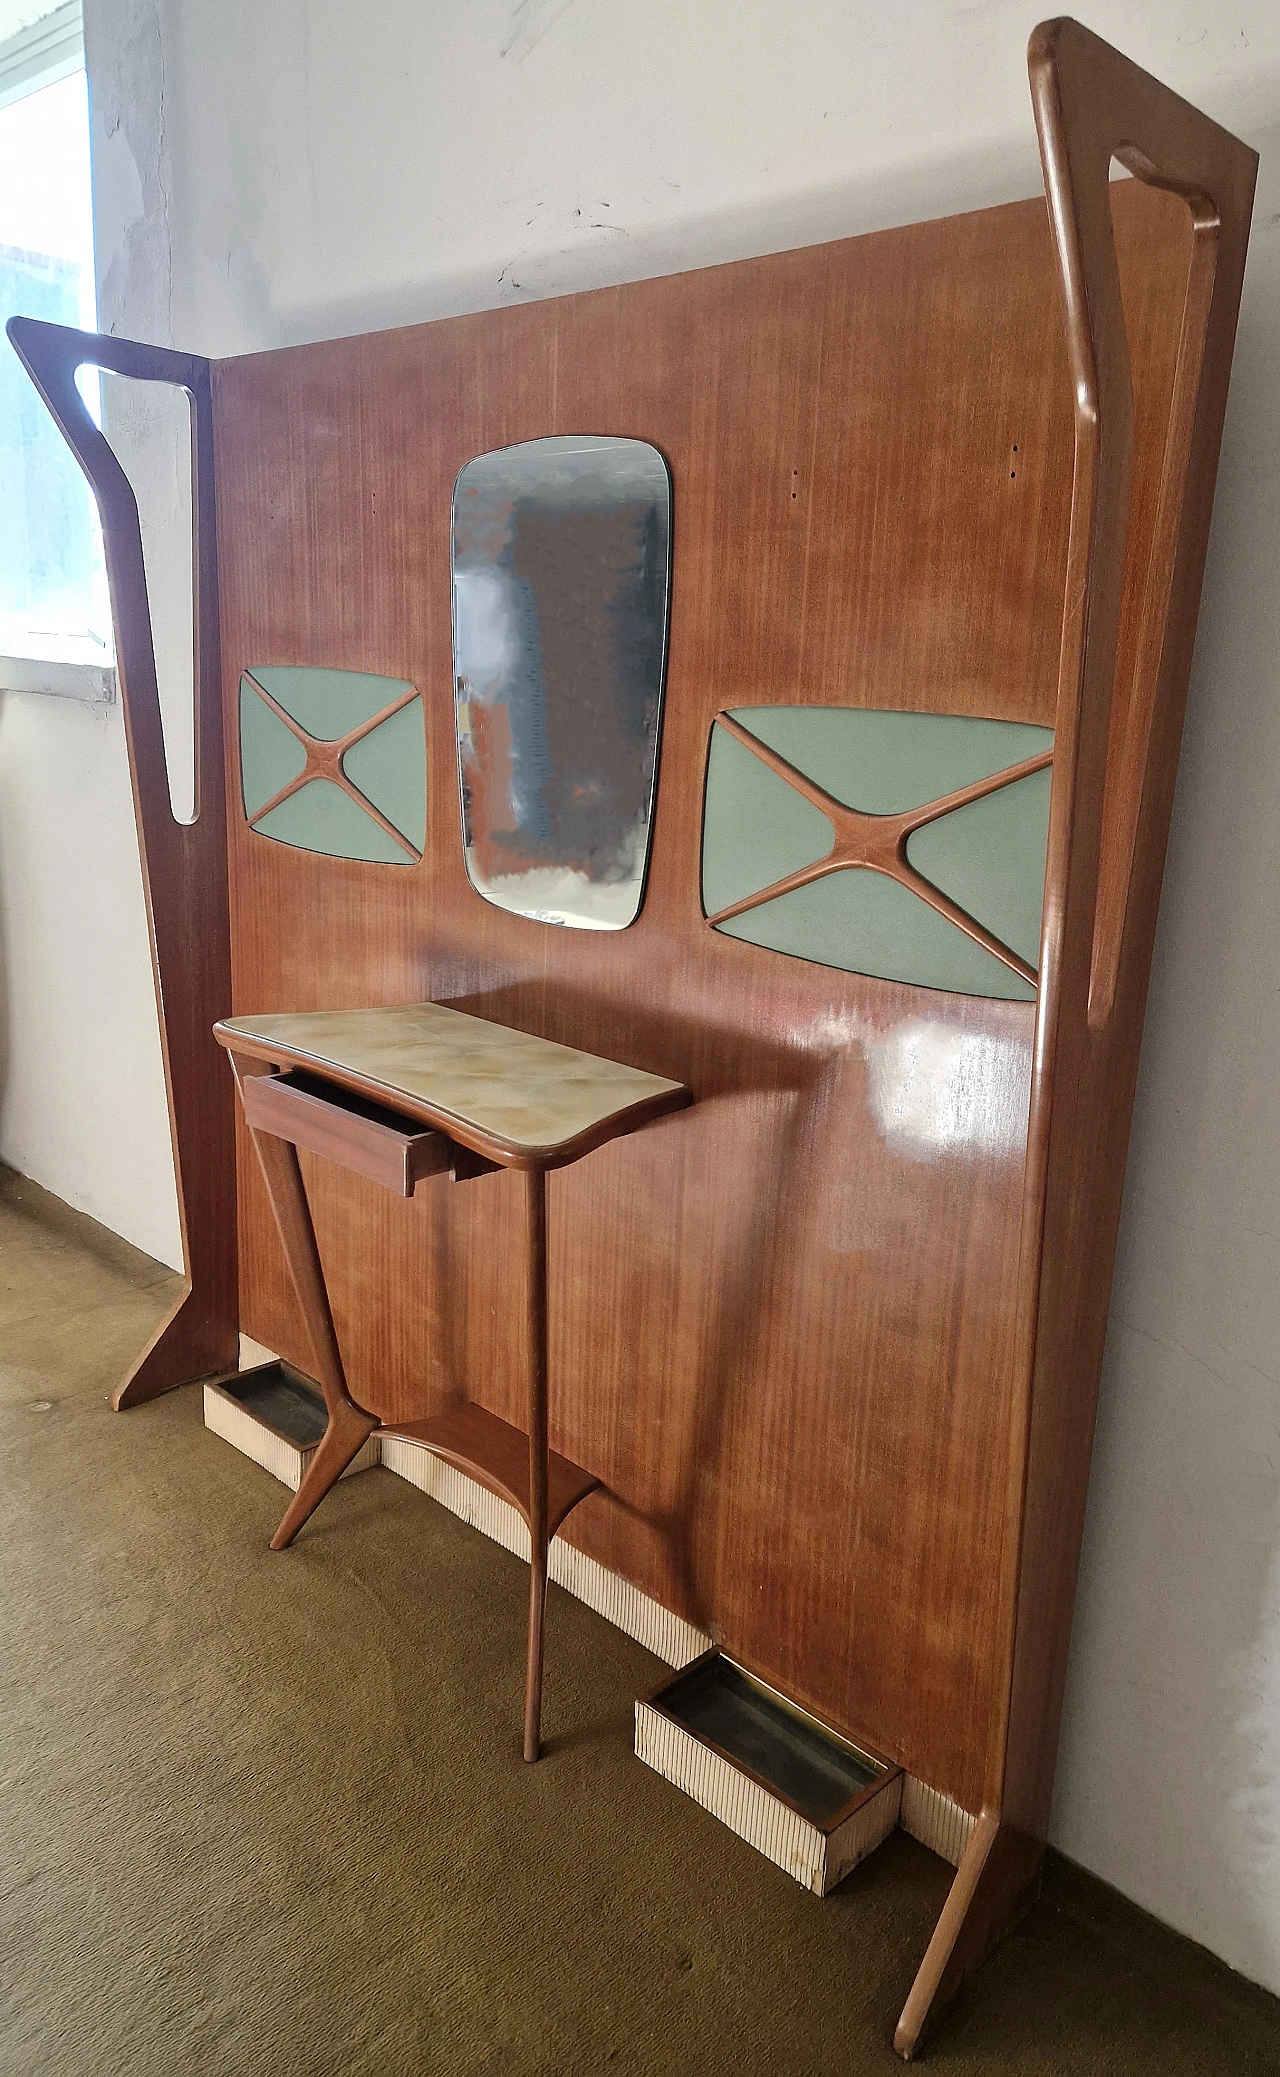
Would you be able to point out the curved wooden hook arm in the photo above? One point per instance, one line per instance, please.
(184, 865)
(1116, 761)
(1092, 106)
(1116, 750)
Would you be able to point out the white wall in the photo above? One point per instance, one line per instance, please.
(82, 1103)
(329, 167)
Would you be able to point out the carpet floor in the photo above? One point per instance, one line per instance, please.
(267, 1814)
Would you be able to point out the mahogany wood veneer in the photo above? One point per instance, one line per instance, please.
(831, 1341)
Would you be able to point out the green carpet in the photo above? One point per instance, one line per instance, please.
(267, 1814)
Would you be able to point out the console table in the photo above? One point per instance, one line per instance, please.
(398, 1095)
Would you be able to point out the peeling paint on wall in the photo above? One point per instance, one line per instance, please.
(124, 56)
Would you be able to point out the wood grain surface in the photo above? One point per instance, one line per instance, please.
(781, 1325)
(497, 1454)
(374, 1142)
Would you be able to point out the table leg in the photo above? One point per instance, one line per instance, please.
(349, 1425)
(536, 1301)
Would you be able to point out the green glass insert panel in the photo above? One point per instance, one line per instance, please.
(390, 767)
(883, 763)
(321, 817)
(269, 755)
(756, 829)
(990, 858)
(866, 923)
(329, 704)
(389, 764)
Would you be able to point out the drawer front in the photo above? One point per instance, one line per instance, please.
(339, 1128)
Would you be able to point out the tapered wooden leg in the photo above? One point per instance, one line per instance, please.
(349, 1424)
(536, 1299)
(346, 1433)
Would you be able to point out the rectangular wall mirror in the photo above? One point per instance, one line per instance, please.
(561, 582)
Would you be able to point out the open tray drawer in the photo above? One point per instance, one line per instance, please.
(789, 1785)
(350, 1130)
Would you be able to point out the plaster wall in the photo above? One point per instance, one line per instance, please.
(266, 176)
(82, 1101)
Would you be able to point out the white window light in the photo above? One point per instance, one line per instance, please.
(55, 623)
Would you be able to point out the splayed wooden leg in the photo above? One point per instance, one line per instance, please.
(349, 1424)
(346, 1433)
(997, 1881)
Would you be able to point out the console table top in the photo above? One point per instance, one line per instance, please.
(519, 1100)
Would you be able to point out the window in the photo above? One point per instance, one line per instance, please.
(53, 591)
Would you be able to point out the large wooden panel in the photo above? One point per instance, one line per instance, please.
(781, 1323)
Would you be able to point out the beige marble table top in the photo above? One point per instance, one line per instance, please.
(517, 1099)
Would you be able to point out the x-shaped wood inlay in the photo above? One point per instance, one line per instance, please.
(879, 842)
(324, 760)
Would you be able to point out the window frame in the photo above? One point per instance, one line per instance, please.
(42, 53)
(33, 58)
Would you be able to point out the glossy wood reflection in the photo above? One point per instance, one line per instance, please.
(769, 1314)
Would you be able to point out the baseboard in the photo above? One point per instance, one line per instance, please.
(935, 1820)
(636, 1613)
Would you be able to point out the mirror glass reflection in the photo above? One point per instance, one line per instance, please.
(561, 573)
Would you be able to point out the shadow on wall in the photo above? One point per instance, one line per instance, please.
(785, 1087)
(1169, 1782)
(597, 257)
